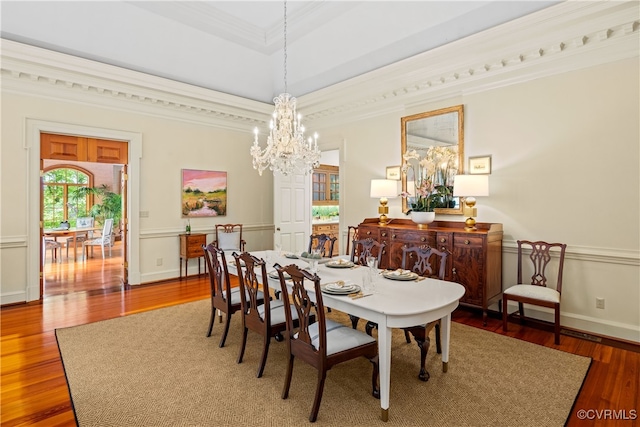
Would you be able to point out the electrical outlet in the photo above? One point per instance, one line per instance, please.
(159, 261)
(600, 303)
(144, 214)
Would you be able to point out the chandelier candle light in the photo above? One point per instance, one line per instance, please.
(287, 151)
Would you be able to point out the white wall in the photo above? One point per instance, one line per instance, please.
(167, 147)
(565, 153)
(565, 167)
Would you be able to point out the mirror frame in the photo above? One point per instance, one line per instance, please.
(403, 148)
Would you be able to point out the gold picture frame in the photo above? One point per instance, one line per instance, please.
(393, 172)
(480, 165)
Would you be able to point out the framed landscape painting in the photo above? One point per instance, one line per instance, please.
(204, 193)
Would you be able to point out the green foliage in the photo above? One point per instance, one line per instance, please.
(109, 204)
(325, 211)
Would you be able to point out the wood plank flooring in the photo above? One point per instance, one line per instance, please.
(34, 389)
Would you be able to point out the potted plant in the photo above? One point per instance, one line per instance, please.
(109, 204)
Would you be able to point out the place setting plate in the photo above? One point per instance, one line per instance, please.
(340, 288)
(274, 275)
(340, 263)
(404, 275)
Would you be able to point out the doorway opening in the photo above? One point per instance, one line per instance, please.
(83, 194)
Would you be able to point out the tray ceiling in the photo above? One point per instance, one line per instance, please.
(236, 47)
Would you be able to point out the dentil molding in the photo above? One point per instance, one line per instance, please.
(561, 38)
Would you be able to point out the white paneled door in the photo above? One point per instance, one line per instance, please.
(292, 211)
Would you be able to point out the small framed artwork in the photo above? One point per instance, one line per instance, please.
(393, 172)
(480, 165)
(204, 193)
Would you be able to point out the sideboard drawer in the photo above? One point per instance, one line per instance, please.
(467, 240)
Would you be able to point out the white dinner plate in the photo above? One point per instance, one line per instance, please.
(274, 275)
(399, 275)
(340, 264)
(332, 288)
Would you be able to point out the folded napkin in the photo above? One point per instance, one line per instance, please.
(400, 272)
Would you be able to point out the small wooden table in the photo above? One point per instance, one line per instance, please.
(191, 247)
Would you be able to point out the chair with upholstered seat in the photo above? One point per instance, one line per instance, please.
(224, 299)
(258, 312)
(352, 234)
(105, 240)
(538, 292)
(54, 246)
(81, 222)
(322, 343)
(319, 242)
(419, 260)
(364, 248)
(361, 250)
(229, 237)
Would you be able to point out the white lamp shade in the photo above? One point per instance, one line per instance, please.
(384, 188)
(471, 185)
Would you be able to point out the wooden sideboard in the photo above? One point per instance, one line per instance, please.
(475, 257)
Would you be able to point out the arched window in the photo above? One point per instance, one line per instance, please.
(61, 199)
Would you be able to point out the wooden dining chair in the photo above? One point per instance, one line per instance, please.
(364, 248)
(316, 340)
(352, 234)
(361, 250)
(539, 291)
(224, 298)
(260, 314)
(323, 243)
(420, 260)
(229, 237)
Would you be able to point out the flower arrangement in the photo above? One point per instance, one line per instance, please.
(431, 178)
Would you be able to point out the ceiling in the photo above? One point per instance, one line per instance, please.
(236, 47)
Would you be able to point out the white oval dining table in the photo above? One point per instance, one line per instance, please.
(394, 304)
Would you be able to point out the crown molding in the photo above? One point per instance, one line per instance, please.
(569, 36)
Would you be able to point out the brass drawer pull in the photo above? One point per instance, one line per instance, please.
(443, 240)
(423, 239)
(466, 242)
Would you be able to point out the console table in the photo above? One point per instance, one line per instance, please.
(191, 247)
(475, 259)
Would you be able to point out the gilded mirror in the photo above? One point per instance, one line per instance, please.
(432, 152)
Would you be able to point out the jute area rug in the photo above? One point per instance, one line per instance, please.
(158, 368)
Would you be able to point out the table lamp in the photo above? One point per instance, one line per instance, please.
(468, 187)
(384, 189)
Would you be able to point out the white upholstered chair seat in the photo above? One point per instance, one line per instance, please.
(277, 312)
(339, 337)
(534, 291)
(235, 295)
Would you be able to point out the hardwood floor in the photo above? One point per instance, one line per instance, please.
(34, 389)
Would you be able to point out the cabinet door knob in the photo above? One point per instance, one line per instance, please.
(368, 233)
(443, 240)
(393, 236)
(466, 242)
(384, 234)
(423, 239)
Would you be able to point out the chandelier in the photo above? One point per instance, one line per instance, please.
(287, 151)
